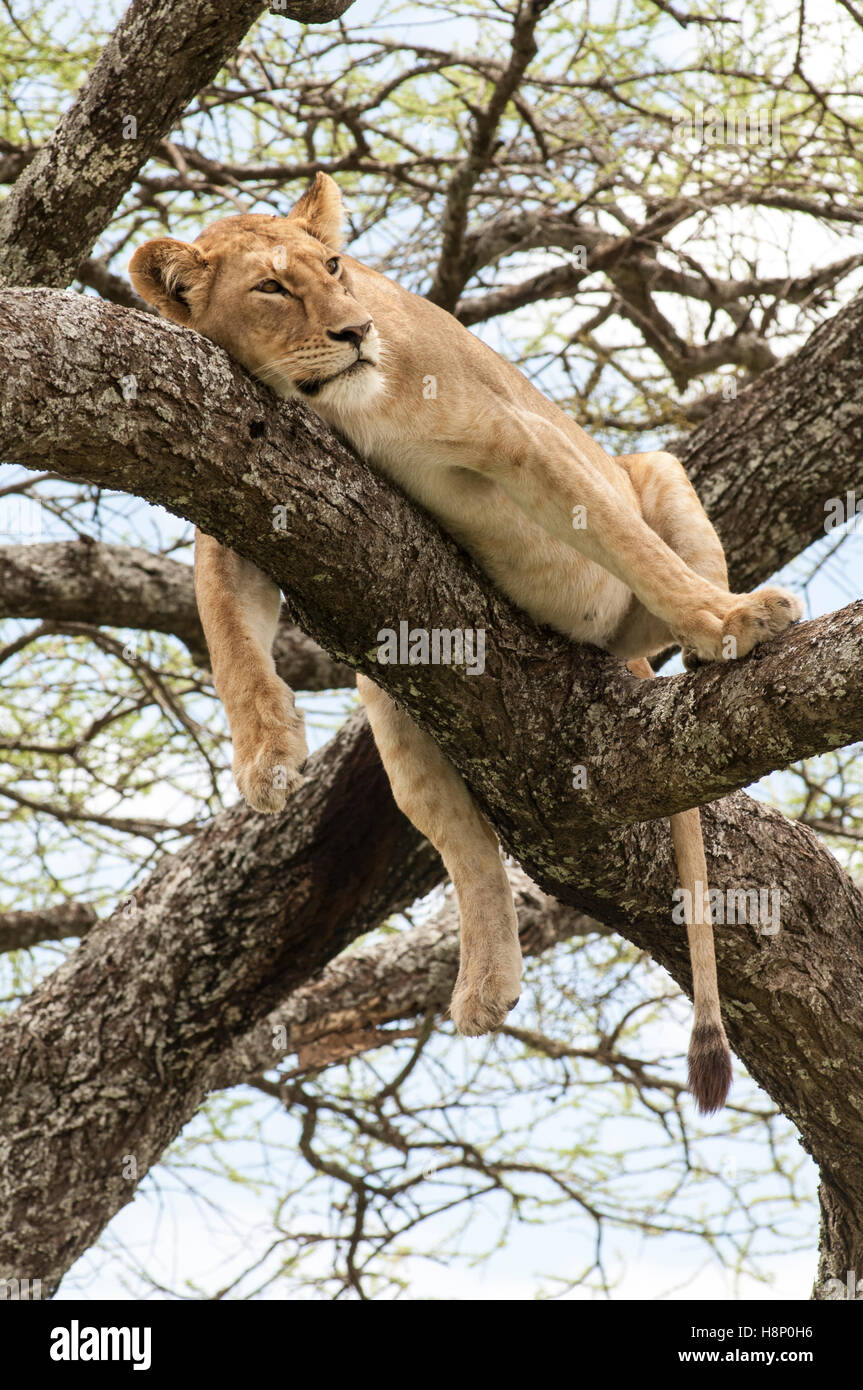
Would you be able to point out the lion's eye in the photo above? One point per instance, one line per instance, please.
(270, 287)
(333, 265)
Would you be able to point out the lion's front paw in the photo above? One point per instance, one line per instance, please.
(273, 771)
(756, 618)
(735, 625)
(268, 780)
(484, 994)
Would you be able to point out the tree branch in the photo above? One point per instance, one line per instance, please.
(343, 1011)
(87, 581)
(251, 455)
(766, 464)
(110, 1058)
(453, 266)
(21, 930)
(66, 194)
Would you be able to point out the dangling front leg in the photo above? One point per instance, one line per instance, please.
(239, 609)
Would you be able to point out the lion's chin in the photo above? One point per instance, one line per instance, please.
(350, 390)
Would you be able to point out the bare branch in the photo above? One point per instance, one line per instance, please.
(21, 930)
(66, 195)
(122, 586)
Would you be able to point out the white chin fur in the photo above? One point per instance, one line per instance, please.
(353, 391)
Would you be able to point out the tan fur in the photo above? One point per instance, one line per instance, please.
(506, 472)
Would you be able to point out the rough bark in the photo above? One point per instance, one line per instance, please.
(87, 581)
(403, 977)
(841, 1244)
(160, 56)
(310, 11)
(108, 1060)
(766, 464)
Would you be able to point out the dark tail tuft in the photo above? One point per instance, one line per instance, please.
(709, 1067)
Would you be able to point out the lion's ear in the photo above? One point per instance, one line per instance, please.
(320, 210)
(172, 275)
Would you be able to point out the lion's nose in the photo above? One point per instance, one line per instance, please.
(353, 335)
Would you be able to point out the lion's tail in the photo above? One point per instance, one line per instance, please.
(709, 1053)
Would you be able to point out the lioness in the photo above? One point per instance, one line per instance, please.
(503, 470)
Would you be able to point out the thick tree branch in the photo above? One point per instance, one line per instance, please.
(766, 464)
(21, 930)
(122, 586)
(110, 1058)
(250, 456)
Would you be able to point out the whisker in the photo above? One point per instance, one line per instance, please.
(271, 365)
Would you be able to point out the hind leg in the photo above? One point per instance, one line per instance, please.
(671, 508)
(432, 794)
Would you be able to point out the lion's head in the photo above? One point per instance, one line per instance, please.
(275, 293)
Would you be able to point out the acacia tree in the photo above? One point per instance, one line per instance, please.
(219, 943)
